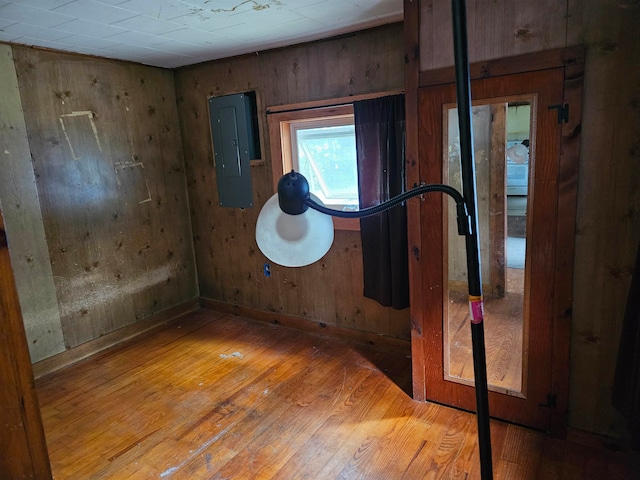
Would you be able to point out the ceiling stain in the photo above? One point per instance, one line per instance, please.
(256, 6)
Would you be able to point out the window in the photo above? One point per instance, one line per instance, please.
(320, 144)
(318, 140)
(324, 151)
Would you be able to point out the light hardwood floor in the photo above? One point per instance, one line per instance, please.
(504, 330)
(503, 335)
(216, 396)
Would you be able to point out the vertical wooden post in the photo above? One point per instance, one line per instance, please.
(24, 450)
(414, 229)
(498, 201)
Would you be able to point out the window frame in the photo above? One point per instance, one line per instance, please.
(280, 139)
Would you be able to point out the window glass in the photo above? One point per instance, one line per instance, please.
(325, 153)
(319, 142)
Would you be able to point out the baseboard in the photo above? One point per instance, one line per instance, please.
(376, 341)
(600, 441)
(73, 355)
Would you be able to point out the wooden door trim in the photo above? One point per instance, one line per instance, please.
(414, 228)
(569, 57)
(431, 127)
(560, 271)
(25, 448)
(565, 247)
(572, 60)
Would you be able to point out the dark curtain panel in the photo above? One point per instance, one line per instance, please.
(626, 383)
(380, 143)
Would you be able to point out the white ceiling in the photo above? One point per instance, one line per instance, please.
(173, 33)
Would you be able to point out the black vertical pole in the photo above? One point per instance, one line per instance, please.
(463, 92)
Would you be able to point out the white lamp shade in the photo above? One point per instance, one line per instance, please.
(293, 240)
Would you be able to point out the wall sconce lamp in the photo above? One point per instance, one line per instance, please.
(294, 229)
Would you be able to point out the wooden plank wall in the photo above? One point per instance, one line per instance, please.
(230, 266)
(608, 216)
(105, 145)
(495, 28)
(608, 222)
(23, 221)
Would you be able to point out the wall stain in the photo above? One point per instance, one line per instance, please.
(523, 34)
(62, 95)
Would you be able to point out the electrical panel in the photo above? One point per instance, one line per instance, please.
(235, 143)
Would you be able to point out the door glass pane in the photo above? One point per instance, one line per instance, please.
(502, 133)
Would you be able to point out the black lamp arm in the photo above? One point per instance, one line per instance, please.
(464, 224)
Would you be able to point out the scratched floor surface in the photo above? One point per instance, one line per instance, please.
(215, 396)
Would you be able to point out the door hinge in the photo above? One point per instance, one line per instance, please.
(563, 112)
(551, 401)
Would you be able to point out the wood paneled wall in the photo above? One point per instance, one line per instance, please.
(230, 266)
(105, 147)
(23, 222)
(495, 29)
(608, 223)
(608, 218)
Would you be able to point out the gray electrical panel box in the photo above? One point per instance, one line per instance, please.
(234, 145)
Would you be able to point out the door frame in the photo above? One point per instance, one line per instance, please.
(25, 447)
(571, 60)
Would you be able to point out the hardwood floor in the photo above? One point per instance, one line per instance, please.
(503, 336)
(504, 332)
(215, 396)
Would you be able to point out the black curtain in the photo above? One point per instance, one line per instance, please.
(380, 143)
(626, 383)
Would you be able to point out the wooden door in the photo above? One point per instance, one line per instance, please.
(530, 402)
